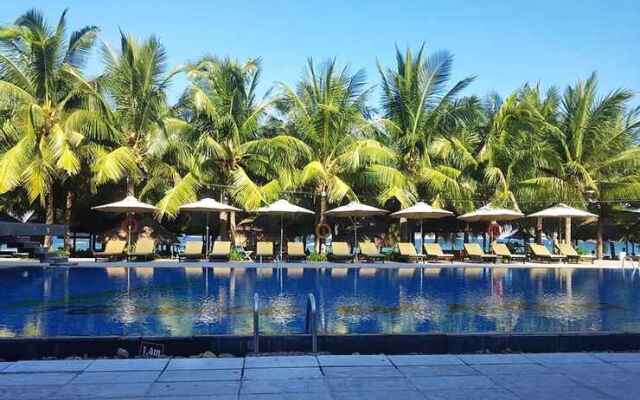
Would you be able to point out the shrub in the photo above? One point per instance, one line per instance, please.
(316, 257)
(236, 255)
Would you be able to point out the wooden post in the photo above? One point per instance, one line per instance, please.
(539, 231)
(567, 230)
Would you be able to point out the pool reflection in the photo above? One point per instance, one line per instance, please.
(190, 301)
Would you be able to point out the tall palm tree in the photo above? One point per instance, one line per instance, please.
(421, 116)
(137, 129)
(40, 79)
(507, 152)
(229, 149)
(594, 160)
(327, 112)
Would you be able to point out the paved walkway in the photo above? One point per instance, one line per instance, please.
(367, 377)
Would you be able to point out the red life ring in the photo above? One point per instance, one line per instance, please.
(323, 230)
(494, 230)
(134, 225)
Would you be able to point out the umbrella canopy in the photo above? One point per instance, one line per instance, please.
(562, 210)
(490, 213)
(128, 205)
(356, 209)
(283, 207)
(208, 205)
(422, 210)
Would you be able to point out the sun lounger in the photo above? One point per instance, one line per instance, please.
(340, 251)
(192, 251)
(474, 252)
(369, 251)
(433, 251)
(540, 253)
(408, 253)
(145, 249)
(221, 250)
(568, 251)
(295, 251)
(501, 250)
(114, 249)
(264, 250)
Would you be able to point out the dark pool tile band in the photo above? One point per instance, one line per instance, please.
(60, 347)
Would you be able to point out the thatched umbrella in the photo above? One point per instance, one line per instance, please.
(207, 206)
(282, 208)
(562, 210)
(421, 211)
(353, 211)
(491, 214)
(129, 205)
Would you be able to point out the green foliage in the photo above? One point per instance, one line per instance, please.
(60, 253)
(236, 255)
(316, 257)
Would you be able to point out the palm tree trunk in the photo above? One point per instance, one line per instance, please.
(131, 187)
(539, 231)
(224, 220)
(67, 219)
(600, 237)
(320, 218)
(232, 228)
(50, 215)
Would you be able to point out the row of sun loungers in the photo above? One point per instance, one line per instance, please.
(341, 252)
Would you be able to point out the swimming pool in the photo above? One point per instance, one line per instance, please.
(39, 302)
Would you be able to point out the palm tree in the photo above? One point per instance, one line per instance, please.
(139, 135)
(424, 123)
(327, 112)
(230, 151)
(593, 159)
(507, 152)
(41, 81)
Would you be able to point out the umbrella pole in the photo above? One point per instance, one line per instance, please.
(355, 239)
(206, 241)
(281, 234)
(421, 236)
(129, 232)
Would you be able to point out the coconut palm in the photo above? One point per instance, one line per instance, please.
(508, 153)
(140, 138)
(425, 124)
(229, 150)
(41, 82)
(593, 157)
(327, 112)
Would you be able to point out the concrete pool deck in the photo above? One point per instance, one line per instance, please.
(173, 263)
(566, 376)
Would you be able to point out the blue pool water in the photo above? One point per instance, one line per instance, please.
(190, 301)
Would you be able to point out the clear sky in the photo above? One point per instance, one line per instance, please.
(504, 43)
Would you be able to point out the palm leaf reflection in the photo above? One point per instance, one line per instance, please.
(278, 314)
(414, 310)
(213, 309)
(126, 311)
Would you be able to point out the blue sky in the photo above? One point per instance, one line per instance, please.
(504, 43)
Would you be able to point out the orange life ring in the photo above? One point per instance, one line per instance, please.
(323, 230)
(134, 225)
